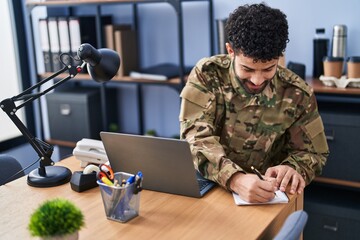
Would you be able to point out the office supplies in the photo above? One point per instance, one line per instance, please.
(107, 171)
(90, 151)
(280, 197)
(81, 181)
(257, 172)
(166, 163)
(121, 203)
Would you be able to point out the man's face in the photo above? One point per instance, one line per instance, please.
(253, 76)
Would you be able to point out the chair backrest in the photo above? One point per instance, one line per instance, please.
(8, 167)
(293, 226)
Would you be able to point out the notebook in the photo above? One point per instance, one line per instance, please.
(280, 197)
(166, 163)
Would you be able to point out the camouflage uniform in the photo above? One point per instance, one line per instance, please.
(229, 130)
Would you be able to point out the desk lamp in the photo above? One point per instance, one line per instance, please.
(102, 65)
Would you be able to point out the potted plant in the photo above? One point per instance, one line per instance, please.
(56, 219)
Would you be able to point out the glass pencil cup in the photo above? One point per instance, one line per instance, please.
(121, 203)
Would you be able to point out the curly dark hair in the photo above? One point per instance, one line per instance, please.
(258, 31)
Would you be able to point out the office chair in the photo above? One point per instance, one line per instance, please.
(297, 68)
(293, 226)
(8, 167)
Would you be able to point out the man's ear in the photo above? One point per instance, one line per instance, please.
(229, 49)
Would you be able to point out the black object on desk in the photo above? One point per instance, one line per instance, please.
(81, 182)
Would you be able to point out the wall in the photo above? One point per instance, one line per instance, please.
(9, 62)
(159, 43)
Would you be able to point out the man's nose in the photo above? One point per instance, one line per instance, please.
(257, 78)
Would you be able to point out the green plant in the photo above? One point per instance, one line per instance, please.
(56, 217)
(151, 132)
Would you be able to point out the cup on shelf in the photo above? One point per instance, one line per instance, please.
(353, 67)
(333, 66)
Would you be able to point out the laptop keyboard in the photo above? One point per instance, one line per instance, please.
(203, 184)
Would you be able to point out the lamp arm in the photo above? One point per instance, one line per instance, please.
(43, 149)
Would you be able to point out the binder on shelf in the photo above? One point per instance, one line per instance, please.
(82, 29)
(45, 44)
(221, 35)
(54, 43)
(75, 38)
(64, 38)
(126, 45)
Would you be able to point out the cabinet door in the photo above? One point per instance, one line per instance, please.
(343, 134)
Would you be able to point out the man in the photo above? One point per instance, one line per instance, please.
(243, 109)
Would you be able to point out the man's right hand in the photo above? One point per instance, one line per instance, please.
(252, 189)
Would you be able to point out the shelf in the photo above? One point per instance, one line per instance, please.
(61, 143)
(333, 181)
(124, 79)
(176, 83)
(319, 87)
(81, 2)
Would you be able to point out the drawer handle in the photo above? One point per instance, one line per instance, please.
(330, 135)
(331, 228)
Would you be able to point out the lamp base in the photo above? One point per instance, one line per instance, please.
(55, 176)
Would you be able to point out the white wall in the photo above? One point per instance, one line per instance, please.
(10, 78)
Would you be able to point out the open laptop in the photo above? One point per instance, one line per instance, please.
(166, 163)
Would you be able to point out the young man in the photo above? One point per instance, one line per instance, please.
(243, 109)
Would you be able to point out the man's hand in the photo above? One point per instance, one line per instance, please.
(250, 188)
(286, 175)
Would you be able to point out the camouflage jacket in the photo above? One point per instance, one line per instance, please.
(229, 130)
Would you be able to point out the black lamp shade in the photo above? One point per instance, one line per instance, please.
(102, 64)
(107, 68)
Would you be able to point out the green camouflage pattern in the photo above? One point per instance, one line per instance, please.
(229, 130)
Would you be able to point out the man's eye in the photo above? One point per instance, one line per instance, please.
(268, 70)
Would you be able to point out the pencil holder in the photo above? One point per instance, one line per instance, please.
(121, 203)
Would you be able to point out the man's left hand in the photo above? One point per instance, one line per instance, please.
(286, 175)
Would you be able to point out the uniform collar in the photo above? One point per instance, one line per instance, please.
(266, 98)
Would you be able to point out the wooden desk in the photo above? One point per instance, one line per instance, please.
(319, 87)
(162, 216)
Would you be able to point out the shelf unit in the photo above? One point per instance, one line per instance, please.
(176, 83)
(332, 217)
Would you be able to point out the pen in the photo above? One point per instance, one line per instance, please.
(130, 180)
(257, 172)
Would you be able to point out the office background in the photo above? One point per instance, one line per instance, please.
(158, 44)
(159, 41)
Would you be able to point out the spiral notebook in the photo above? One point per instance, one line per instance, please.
(280, 197)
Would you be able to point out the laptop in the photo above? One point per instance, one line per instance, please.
(166, 163)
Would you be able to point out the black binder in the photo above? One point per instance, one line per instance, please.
(82, 29)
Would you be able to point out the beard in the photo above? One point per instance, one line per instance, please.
(252, 88)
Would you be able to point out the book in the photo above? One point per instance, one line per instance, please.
(280, 197)
(109, 30)
(159, 72)
(45, 44)
(125, 44)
